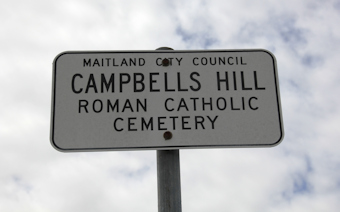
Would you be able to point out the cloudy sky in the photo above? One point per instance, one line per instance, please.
(300, 174)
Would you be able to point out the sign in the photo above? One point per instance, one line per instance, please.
(128, 100)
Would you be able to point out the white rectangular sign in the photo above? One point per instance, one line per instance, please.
(165, 100)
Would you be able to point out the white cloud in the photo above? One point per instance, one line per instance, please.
(301, 174)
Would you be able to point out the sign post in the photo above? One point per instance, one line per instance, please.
(168, 174)
(169, 181)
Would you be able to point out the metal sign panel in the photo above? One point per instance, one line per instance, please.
(128, 100)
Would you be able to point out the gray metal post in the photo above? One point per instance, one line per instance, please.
(168, 177)
(169, 181)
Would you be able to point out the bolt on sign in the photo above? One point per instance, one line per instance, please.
(129, 100)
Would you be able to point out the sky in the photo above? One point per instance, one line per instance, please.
(300, 174)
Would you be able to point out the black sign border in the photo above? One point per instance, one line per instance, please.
(54, 144)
